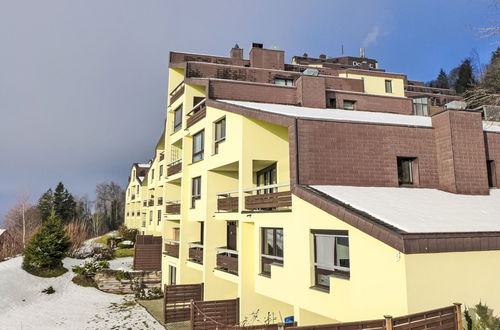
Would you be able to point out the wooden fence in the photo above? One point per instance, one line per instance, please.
(147, 253)
(447, 318)
(215, 314)
(177, 301)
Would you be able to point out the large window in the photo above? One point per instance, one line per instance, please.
(388, 86)
(178, 119)
(220, 133)
(195, 190)
(283, 82)
(331, 255)
(420, 107)
(272, 248)
(405, 170)
(198, 146)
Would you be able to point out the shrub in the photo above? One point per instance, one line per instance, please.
(127, 234)
(48, 246)
(122, 275)
(45, 272)
(78, 232)
(49, 290)
(480, 317)
(84, 280)
(102, 253)
(91, 267)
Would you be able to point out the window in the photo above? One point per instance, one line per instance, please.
(231, 237)
(137, 190)
(331, 255)
(405, 170)
(332, 103)
(172, 274)
(283, 82)
(420, 107)
(272, 248)
(178, 119)
(152, 174)
(349, 105)
(220, 133)
(388, 86)
(265, 177)
(197, 100)
(490, 164)
(198, 146)
(159, 217)
(161, 171)
(195, 190)
(150, 217)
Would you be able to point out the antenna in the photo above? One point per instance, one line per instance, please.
(342, 49)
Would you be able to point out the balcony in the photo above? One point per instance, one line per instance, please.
(196, 114)
(160, 201)
(174, 167)
(268, 198)
(172, 248)
(177, 92)
(227, 260)
(196, 252)
(227, 203)
(173, 207)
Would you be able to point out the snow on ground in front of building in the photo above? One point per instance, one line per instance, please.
(24, 306)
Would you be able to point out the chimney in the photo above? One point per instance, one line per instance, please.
(460, 150)
(362, 52)
(236, 52)
(266, 58)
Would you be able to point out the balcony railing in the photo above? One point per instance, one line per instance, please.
(196, 252)
(268, 198)
(429, 90)
(176, 92)
(196, 114)
(227, 260)
(227, 203)
(172, 248)
(174, 167)
(173, 207)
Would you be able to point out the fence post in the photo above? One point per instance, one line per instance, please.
(388, 322)
(458, 314)
(191, 314)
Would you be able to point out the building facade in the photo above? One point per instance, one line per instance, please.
(327, 189)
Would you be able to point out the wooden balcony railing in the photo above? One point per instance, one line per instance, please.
(268, 197)
(176, 92)
(198, 113)
(172, 248)
(227, 203)
(227, 260)
(196, 253)
(174, 167)
(173, 208)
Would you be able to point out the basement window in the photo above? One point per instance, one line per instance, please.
(331, 256)
(283, 82)
(406, 170)
(349, 105)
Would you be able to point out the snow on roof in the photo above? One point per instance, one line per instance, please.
(490, 127)
(336, 114)
(141, 178)
(144, 165)
(417, 210)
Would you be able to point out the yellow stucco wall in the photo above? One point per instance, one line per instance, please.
(376, 84)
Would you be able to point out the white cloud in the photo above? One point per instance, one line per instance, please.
(372, 36)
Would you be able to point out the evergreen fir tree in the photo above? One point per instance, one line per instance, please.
(491, 78)
(46, 204)
(465, 80)
(442, 80)
(64, 203)
(48, 246)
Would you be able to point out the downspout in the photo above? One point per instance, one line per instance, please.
(297, 152)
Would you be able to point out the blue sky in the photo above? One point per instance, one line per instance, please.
(83, 82)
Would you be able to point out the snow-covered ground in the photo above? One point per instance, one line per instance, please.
(24, 306)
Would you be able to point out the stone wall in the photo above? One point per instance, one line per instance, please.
(106, 281)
